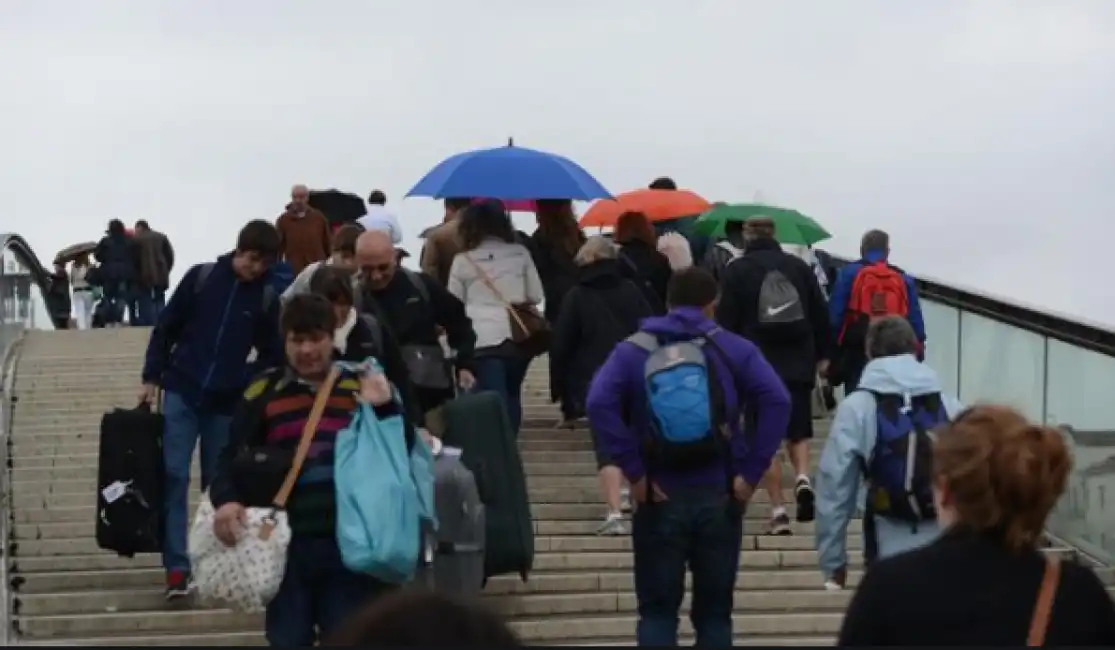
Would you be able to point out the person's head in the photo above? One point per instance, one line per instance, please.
(634, 226)
(116, 228)
(997, 473)
(454, 205)
(482, 220)
(891, 336)
(597, 248)
(413, 617)
(299, 197)
(307, 324)
(59, 266)
(558, 224)
(257, 247)
(335, 285)
(733, 231)
(376, 258)
(344, 246)
(692, 287)
(875, 241)
(377, 197)
(142, 226)
(757, 228)
(663, 183)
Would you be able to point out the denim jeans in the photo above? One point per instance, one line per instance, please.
(116, 296)
(184, 426)
(698, 528)
(317, 595)
(143, 301)
(159, 299)
(504, 375)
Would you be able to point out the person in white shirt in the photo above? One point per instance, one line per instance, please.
(83, 293)
(380, 218)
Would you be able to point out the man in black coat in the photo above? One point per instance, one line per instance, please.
(773, 298)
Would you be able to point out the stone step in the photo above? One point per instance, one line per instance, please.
(81, 529)
(542, 544)
(508, 605)
(255, 639)
(556, 561)
(32, 425)
(39, 584)
(555, 512)
(532, 629)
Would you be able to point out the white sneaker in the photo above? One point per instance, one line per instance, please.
(625, 499)
(613, 525)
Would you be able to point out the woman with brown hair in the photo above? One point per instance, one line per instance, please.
(639, 259)
(984, 581)
(553, 246)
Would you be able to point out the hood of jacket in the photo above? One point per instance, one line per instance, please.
(901, 375)
(601, 274)
(679, 323)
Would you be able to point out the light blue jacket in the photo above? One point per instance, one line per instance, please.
(850, 444)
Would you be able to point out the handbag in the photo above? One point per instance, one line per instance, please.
(247, 576)
(428, 367)
(529, 330)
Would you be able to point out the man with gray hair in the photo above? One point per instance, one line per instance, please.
(882, 432)
(866, 290)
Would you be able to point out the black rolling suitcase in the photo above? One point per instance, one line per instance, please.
(130, 482)
(477, 423)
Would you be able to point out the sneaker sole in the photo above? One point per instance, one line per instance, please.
(806, 510)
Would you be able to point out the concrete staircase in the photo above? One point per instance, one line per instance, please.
(67, 592)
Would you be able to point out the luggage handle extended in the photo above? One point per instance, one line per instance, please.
(279, 502)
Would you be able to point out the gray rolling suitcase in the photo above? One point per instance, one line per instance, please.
(454, 557)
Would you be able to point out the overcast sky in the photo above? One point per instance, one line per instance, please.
(979, 132)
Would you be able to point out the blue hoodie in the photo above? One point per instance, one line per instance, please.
(841, 293)
(199, 348)
(850, 444)
(619, 388)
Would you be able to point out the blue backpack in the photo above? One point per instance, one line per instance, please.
(685, 402)
(899, 473)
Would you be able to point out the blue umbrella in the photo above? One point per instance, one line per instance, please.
(511, 174)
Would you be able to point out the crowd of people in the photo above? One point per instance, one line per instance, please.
(690, 378)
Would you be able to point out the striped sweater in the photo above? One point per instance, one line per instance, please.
(274, 412)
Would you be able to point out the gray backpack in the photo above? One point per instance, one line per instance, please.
(779, 301)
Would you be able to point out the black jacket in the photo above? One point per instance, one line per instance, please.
(415, 315)
(383, 344)
(966, 590)
(603, 309)
(649, 269)
(737, 312)
(556, 270)
(717, 257)
(118, 257)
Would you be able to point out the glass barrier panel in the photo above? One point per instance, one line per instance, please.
(942, 346)
(1081, 384)
(1000, 363)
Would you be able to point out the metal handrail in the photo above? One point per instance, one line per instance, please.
(7, 368)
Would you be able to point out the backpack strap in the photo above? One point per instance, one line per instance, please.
(376, 328)
(419, 284)
(203, 273)
(726, 245)
(645, 340)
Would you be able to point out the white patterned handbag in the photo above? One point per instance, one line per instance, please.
(247, 576)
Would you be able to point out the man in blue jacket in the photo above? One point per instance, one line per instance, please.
(680, 446)
(867, 290)
(198, 353)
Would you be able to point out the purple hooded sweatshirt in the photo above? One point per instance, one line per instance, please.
(619, 387)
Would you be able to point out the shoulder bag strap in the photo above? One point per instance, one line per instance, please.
(323, 393)
(1044, 607)
(487, 280)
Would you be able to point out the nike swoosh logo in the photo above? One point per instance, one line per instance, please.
(774, 311)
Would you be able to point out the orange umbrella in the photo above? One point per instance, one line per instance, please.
(658, 205)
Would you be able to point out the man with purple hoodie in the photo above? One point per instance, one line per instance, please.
(666, 409)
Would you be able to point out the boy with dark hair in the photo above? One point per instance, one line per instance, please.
(666, 407)
(198, 355)
(318, 593)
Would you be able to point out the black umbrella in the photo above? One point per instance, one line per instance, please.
(337, 206)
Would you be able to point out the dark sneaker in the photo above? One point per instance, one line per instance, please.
(803, 493)
(780, 525)
(177, 584)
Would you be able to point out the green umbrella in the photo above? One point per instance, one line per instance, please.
(790, 226)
